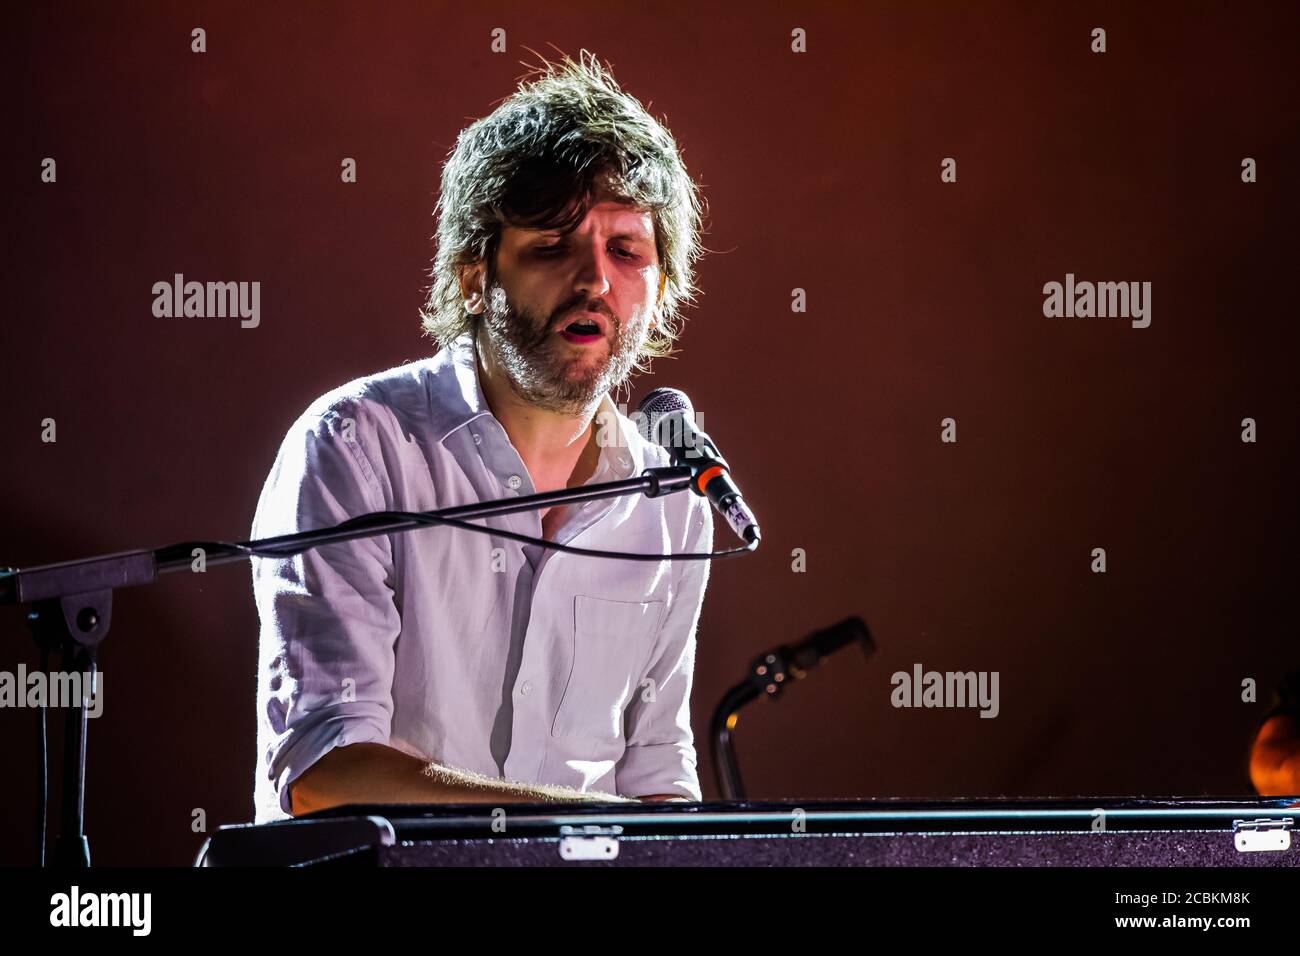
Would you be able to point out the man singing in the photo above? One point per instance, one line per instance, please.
(443, 665)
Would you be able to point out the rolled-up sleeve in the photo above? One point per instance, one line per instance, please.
(660, 749)
(329, 619)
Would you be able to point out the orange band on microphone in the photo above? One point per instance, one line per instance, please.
(707, 476)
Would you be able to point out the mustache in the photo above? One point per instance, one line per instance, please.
(562, 314)
(532, 330)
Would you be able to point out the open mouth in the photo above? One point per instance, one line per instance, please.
(582, 332)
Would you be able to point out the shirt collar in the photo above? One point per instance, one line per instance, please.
(456, 399)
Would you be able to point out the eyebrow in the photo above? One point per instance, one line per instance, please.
(637, 236)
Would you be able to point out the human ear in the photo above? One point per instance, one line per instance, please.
(471, 288)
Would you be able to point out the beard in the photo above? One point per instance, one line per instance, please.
(547, 372)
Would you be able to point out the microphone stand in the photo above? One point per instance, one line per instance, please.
(769, 673)
(71, 602)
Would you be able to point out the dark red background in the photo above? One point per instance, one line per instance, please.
(822, 172)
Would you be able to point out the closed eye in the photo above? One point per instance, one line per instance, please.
(624, 254)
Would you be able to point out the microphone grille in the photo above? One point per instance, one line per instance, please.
(656, 405)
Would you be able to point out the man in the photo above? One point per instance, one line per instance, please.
(443, 665)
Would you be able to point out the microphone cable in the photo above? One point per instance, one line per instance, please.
(430, 520)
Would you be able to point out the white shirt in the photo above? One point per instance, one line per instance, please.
(470, 650)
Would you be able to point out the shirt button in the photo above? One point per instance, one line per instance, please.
(478, 439)
(514, 481)
(526, 688)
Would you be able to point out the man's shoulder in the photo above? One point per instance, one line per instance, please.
(397, 392)
(425, 398)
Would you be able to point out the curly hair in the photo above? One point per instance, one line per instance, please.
(537, 162)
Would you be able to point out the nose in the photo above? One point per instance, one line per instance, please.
(592, 278)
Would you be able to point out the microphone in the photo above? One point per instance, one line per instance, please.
(665, 417)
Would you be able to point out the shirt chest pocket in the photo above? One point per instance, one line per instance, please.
(611, 647)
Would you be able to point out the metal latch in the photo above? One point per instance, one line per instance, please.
(1252, 836)
(589, 842)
